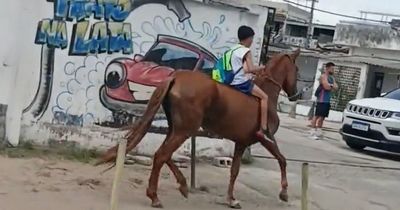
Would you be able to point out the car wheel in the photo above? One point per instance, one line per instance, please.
(122, 118)
(355, 146)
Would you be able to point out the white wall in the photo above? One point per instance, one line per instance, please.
(367, 35)
(64, 104)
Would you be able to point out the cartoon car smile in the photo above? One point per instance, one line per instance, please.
(129, 83)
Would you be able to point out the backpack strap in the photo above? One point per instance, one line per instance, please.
(228, 55)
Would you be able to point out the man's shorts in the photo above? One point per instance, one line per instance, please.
(245, 87)
(322, 109)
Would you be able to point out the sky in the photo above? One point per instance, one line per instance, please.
(352, 7)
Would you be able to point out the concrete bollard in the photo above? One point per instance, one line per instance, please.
(118, 173)
(292, 112)
(304, 186)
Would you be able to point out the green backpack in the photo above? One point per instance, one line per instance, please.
(223, 72)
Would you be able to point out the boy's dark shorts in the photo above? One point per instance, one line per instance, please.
(245, 87)
(322, 109)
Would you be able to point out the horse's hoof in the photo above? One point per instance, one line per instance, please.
(284, 196)
(235, 204)
(184, 191)
(157, 204)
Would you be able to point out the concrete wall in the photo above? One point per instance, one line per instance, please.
(55, 71)
(378, 53)
(3, 110)
(390, 81)
(307, 67)
(366, 35)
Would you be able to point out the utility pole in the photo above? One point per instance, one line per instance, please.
(310, 25)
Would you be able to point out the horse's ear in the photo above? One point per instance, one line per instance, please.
(295, 54)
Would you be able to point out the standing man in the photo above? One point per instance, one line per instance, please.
(323, 93)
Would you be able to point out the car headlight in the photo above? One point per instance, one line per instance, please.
(395, 115)
(115, 75)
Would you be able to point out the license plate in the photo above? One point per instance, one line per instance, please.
(360, 126)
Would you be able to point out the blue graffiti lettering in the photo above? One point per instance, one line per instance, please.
(53, 33)
(120, 38)
(103, 37)
(81, 9)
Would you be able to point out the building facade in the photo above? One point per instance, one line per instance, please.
(75, 70)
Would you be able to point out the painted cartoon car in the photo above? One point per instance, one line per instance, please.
(129, 83)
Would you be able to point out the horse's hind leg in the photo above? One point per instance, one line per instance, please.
(180, 178)
(239, 150)
(163, 155)
(272, 147)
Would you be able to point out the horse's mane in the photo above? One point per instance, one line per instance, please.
(274, 61)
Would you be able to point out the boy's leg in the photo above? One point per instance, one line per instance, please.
(256, 91)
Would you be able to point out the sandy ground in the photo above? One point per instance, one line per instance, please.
(38, 184)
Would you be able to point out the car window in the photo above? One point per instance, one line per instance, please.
(393, 94)
(176, 57)
(208, 66)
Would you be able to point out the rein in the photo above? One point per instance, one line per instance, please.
(265, 76)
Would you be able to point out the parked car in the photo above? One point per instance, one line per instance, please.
(129, 83)
(373, 122)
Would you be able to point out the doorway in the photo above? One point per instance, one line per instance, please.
(377, 82)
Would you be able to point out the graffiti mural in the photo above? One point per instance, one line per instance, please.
(102, 59)
(129, 83)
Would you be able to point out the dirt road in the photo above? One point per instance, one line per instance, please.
(38, 184)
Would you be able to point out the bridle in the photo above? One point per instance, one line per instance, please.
(274, 82)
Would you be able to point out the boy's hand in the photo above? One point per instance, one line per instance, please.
(262, 67)
(258, 69)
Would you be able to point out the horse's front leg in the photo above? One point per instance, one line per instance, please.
(272, 147)
(237, 156)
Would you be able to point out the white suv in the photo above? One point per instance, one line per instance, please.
(373, 122)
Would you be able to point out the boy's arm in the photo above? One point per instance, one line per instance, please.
(248, 65)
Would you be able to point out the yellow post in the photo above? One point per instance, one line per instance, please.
(304, 187)
(118, 173)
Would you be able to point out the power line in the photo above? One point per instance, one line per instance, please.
(334, 13)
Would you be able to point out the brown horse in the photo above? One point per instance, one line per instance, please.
(192, 100)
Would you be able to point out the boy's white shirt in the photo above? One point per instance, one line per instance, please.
(237, 65)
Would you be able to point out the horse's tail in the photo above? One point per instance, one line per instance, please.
(140, 127)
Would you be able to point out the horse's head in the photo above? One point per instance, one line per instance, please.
(282, 70)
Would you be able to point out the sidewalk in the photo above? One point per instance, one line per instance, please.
(301, 124)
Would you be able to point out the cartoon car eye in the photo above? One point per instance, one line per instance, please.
(115, 75)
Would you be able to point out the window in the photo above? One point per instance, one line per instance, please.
(395, 94)
(176, 57)
(208, 66)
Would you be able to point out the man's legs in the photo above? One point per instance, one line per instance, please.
(320, 120)
(315, 122)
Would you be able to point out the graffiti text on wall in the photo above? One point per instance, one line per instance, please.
(107, 36)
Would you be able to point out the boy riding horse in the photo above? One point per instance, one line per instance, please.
(242, 65)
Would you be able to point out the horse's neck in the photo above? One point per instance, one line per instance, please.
(270, 88)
